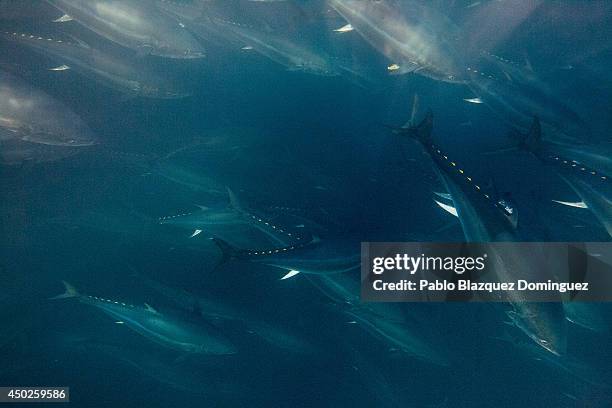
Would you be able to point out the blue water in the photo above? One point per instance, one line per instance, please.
(313, 154)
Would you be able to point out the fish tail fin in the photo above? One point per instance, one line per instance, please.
(227, 250)
(530, 142)
(422, 131)
(69, 292)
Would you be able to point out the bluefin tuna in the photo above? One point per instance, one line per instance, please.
(384, 322)
(182, 375)
(517, 100)
(106, 69)
(575, 166)
(218, 311)
(167, 330)
(133, 24)
(486, 216)
(15, 152)
(312, 257)
(295, 54)
(413, 37)
(214, 219)
(186, 175)
(573, 367)
(586, 315)
(30, 115)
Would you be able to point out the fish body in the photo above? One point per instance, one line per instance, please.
(133, 24)
(487, 217)
(385, 322)
(413, 37)
(30, 115)
(169, 331)
(295, 54)
(15, 152)
(586, 171)
(312, 257)
(397, 335)
(218, 311)
(106, 69)
(234, 215)
(586, 315)
(186, 176)
(517, 102)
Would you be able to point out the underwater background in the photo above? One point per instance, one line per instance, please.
(274, 126)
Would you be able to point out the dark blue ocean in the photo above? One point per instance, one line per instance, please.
(285, 134)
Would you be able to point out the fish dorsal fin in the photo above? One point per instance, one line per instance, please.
(233, 200)
(150, 308)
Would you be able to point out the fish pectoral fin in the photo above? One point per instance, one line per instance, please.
(60, 68)
(63, 19)
(290, 274)
(344, 29)
(448, 208)
(578, 204)
(195, 233)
